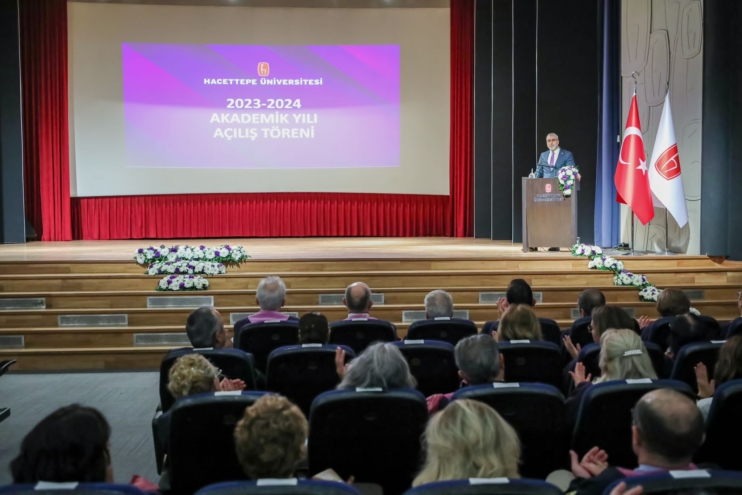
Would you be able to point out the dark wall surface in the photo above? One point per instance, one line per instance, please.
(11, 136)
(545, 74)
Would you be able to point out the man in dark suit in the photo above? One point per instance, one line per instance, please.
(553, 159)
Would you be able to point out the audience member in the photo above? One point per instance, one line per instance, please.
(438, 304)
(71, 444)
(668, 429)
(622, 357)
(205, 330)
(479, 362)
(728, 367)
(684, 330)
(271, 297)
(670, 303)
(518, 292)
(313, 329)
(380, 365)
(468, 439)
(587, 302)
(358, 301)
(519, 322)
(603, 318)
(725, 326)
(270, 439)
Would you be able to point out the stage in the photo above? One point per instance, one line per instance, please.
(89, 305)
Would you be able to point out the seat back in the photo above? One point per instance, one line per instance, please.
(302, 372)
(449, 330)
(260, 339)
(723, 428)
(550, 331)
(370, 434)
(692, 354)
(610, 403)
(235, 364)
(280, 487)
(532, 361)
(201, 447)
(487, 486)
(674, 482)
(735, 328)
(537, 413)
(580, 332)
(712, 326)
(359, 334)
(659, 331)
(5, 366)
(46, 488)
(432, 364)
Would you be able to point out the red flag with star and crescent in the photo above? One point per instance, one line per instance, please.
(632, 180)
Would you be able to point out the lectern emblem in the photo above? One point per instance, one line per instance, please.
(264, 69)
(548, 188)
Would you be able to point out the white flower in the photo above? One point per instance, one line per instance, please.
(695, 311)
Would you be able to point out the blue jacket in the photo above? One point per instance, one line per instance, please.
(546, 171)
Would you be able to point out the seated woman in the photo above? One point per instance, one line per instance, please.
(313, 329)
(519, 323)
(468, 439)
(380, 365)
(670, 303)
(70, 444)
(622, 357)
(685, 329)
(603, 318)
(728, 367)
(270, 439)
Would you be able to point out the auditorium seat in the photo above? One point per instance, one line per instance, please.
(604, 418)
(201, 440)
(550, 331)
(536, 411)
(46, 488)
(359, 334)
(291, 486)
(233, 363)
(487, 486)
(581, 332)
(714, 329)
(724, 428)
(260, 339)
(701, 481)
(449, 330)
(370, 434)
(692, 354)
(659, 331)
(735, 328)
(532, 361)
(302, 372)
(433, 365)
(4, 367)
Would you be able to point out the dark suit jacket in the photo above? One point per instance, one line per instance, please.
(544, 169)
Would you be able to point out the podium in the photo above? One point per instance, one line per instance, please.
(549, 219)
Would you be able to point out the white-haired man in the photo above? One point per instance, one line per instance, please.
(553, 159)
(271, 297)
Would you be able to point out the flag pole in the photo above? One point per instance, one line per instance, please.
(633, 252)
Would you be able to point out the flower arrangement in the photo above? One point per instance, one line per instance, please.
(182, 283)
(587, 250)
(567, 176)
(182, 267)
(650, 293)
(605, 263)
(695, 311)
(218, 254)
(625, 277)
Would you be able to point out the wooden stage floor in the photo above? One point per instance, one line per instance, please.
(283, 248)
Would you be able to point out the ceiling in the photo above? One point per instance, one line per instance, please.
(357, 4)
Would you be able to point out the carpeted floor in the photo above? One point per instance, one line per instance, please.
(128, 400)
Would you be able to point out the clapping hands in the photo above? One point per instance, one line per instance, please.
(572, 349)
(578, 375)
(593, 463)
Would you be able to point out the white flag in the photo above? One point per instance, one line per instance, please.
(665, 180)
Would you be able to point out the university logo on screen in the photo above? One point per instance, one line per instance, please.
(264, 69)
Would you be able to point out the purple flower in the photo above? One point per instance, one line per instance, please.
(216, 253)
(140, 250)
(172, 277)
(227, 247)
(182, 285)
(202, 247)
(190, 276)
(173, 250)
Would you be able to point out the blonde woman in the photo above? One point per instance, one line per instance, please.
(519, 323)
(469, 439)
(622, 357)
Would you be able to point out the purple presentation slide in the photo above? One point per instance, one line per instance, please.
(261, 107)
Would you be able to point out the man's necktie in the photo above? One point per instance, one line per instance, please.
(551, 159)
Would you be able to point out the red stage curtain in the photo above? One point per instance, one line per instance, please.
(45, 135)
(44, 45)
(462, 126)
(261, 215)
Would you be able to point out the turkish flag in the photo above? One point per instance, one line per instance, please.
(632, 181)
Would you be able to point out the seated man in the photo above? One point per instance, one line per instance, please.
(358, 301)
(520, 292)
(479, 363)
(438, 305)
(589, 300)
(271, 297)
(668, 429)
(205, 330)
